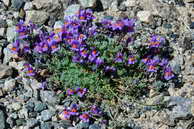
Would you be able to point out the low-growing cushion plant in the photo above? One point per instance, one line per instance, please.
(97, 55)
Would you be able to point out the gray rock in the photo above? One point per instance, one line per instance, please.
(46, 115)
(71, 10)
(64, 124)
(151, 5)
(35, 84)
(106, 3)
(186, 91)
(5, 71)
(189, 1)
(31, 123)
(37, 17)
(9, 85)
(130, 3)
(17, 4)
(11, 34)
(7, 2)
(94, 126)
(32, 114)
(181, 107)
(3, 23)
(16, 106)
(40, 107)
(28, 6)
(145, 16)
(155, 100)
(48, 97)
(122, 7)
(53, 7)
(30, 106)
(164, 117)
(2, 32)
(20, 122)
(176, 64)
(46, 125)
(1, 93)
(87, 3)
(2, 120)
(23, 113)
(72, 128)
(8, 55)
(11, 122)
(14, 115)
(192, 107)
(47, 5)
(82, 125)
(27, 86)
(131, 124)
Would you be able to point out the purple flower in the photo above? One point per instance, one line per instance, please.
(38, 48)
(89, 14)
(82, 16)
(119, 57)
(75, 24)
(129, 24)
(146, 60)
(74, 110)
(85, 15)
(85, 117)
(95, 110)
(22, 35)
(93, 55)
(45, 47)
(54, 47)
(110, 69)
(107, 23)
(30, 71)
(15, 46)
(168, 74)
(151, 68)
(154, 61)
(118, 25)
(77, 59)
(65, 114)
(26, 65)
(75, 45)
(81, 91)
(25, 48)
(71, 91)
(19, 26)
(57, 38)
(99, 61)
(163, 62)
(156, 41)
(91, 58)
(92, 31)
(131, 60)
(83, 52)
(81, 37)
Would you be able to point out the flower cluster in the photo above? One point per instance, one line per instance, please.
(79, 92)
(106, 57)
(79, 112)
(152, 60)
(76, 111)
(120, 26)
(28, 69)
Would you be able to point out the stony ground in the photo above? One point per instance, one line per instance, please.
(24, 106)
